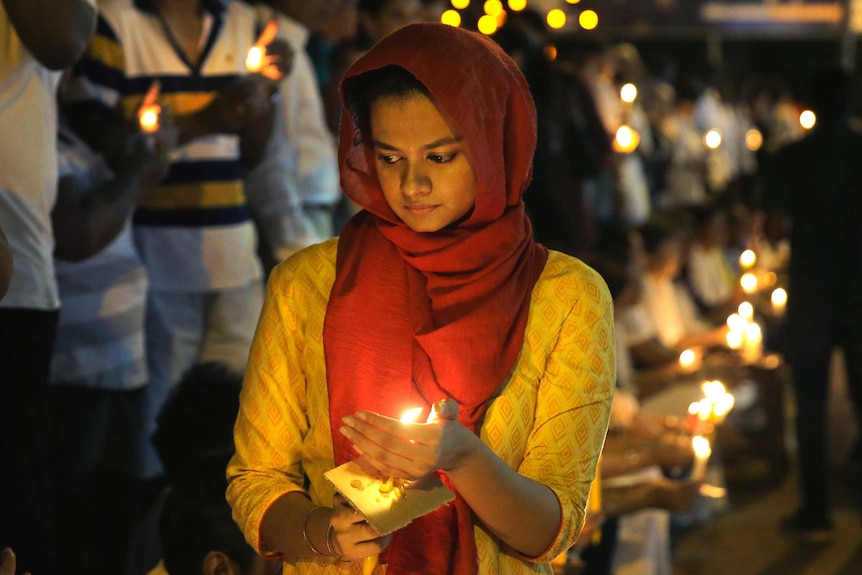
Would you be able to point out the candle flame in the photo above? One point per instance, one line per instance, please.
(746, 310)
(701, 447)
(714, 390)
(257, 61)
(748, 282)
(148, 113)
(747, 259)
(254, 60)
(734, 339)
(411, 415)
(687, 357)
(694, 408)
(779, 296)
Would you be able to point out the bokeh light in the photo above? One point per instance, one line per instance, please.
(487, 24)
(517, 5)
(807, 119)
(712, 139)
(628, 93)
(451, 17)
(753, 139)
(493, 7)
(588, 19)
(460, 4)
(556, 18)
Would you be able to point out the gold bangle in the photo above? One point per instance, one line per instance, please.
(305, 536)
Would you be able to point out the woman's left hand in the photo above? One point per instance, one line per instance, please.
(407, 450)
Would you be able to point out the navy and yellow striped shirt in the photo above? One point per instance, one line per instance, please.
(193, 230)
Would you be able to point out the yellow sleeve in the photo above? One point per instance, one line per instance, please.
(272, 422)
(573, 407)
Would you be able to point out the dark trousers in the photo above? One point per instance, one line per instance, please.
(810, 357)
(26, 340)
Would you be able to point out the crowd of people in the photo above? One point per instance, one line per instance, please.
(514, 245)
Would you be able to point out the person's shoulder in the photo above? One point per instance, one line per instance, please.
(570, 280)
(313, 266)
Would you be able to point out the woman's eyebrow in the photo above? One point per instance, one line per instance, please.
(446, 141)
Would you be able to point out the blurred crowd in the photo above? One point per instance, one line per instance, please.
(153, 172)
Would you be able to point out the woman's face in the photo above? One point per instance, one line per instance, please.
(422, 163)
(665, 262)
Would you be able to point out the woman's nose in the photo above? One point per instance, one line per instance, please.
(415, 181)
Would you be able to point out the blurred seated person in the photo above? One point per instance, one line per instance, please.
(645, 365)
(670, 310)
(197, 532)
(711, 279)
(198, 417)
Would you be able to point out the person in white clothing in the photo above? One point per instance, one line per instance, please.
(37, 38)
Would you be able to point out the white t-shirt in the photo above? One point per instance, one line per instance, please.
(28, 170)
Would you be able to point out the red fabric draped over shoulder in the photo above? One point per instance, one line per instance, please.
(417, 317)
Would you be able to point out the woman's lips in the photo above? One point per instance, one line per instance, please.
(420, 210)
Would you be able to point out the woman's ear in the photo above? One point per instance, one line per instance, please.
(218, 563)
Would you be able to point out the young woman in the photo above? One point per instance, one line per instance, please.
(434, 291)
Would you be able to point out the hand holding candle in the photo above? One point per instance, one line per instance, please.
(270, 56)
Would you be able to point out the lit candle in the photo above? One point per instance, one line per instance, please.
(746, 310)
(747, 259)
(748, 281)
(779, 301)
(752, 346)
(702, 451)
(369, 563)
(628, 93)
(626, 140)
(720, 402)
(148, 113)
(257, 61)
(692, 418)
(687, 358)
(734, 338)
(712, 139)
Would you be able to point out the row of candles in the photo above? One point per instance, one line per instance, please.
(708, 412)
(256, 62)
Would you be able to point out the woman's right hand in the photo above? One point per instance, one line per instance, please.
(351, 537)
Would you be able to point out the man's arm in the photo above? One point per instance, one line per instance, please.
(54, 31)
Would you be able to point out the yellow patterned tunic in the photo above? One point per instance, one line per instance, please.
(548, 422)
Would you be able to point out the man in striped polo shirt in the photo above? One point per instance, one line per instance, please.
(193, 231)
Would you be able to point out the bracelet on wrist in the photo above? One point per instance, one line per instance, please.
(307, 539)
(329, 547)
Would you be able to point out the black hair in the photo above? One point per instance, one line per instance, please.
(198, 416)
(654, 234)
(196, 519)
(387, 82)
(372, 7)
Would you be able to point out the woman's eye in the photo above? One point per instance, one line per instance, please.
(388, 158)
(442, 158)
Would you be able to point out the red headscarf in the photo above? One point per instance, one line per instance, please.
(417, 317)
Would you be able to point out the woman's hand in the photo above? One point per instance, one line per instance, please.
(351, 536)
(408, 450)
